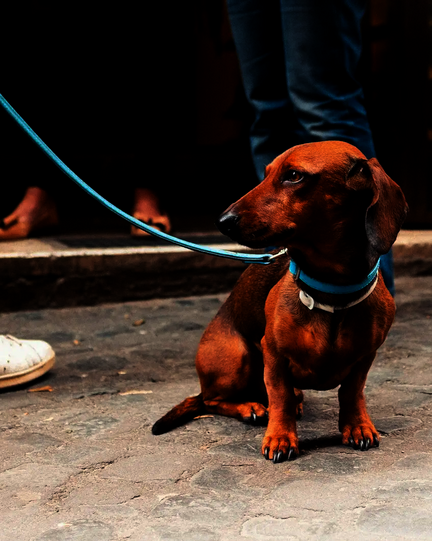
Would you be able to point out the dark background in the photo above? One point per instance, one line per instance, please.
(145, 95)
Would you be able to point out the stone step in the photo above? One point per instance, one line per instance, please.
(89, 269)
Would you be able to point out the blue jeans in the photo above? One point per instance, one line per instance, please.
(298, 60)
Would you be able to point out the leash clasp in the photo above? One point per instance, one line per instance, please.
(281, 252)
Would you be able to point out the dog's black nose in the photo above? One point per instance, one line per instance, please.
(227, 223)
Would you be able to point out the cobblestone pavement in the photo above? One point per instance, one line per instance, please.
(80, 463)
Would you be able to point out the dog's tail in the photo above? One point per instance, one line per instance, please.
(180, 414)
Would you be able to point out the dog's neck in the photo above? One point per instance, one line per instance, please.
(340, 257)
(332, 297)
(335, 289)
(340, 268)
(339, 276)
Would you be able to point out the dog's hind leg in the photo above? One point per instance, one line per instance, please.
(248, 412)
(231, 376)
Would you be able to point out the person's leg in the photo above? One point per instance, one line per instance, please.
(147, 208)
(37, 210)
(257, 33)
(29, 178)
(322, 44)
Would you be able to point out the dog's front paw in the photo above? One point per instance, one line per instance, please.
(280, 447)
(360, 436)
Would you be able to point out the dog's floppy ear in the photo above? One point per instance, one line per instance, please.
(388, 208)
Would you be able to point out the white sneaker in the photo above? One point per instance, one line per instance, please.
(23, 360)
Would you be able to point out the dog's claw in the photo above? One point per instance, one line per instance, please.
(291, 454)
(367, 444)
(361, 445)
(353, 443)
(376, 441)
(254, 413)
(282, 456)
(266, 453)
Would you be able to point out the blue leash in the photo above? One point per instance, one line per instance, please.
(263, 259)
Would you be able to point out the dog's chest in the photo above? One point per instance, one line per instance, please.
(320, 354)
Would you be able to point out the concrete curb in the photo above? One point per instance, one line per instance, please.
(412, 253)
(37, 273)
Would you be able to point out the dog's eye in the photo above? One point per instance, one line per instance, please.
(292, 177)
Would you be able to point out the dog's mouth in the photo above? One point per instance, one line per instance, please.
(262, 238)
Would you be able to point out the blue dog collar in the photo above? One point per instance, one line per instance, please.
(330, 288)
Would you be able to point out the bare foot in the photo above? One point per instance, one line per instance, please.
(147, 209)
(37, 210)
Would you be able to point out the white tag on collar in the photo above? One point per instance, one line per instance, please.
(310, 303)
(307, 300)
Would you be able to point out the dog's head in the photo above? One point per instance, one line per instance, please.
(313, 193)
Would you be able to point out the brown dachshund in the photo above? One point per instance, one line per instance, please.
(310, 320)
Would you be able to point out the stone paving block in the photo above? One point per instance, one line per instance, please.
(224, 478)
(201, 509)
(108, 493)
(397, 522)
(415, 462)
(160, 466)
(387, 425)
(293, 528)
(80, 530)
(30, 483)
